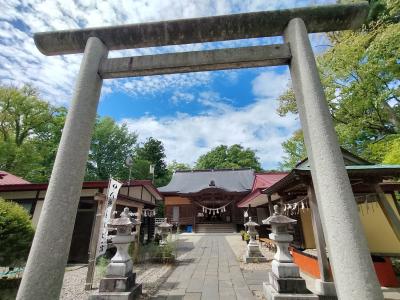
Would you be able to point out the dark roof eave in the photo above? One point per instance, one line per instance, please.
(170, 193)
(295, 173)
(85, 185)
(136, 200)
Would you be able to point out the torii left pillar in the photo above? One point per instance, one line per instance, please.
(50, 248)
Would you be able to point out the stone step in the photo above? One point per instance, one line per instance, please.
(215, 228)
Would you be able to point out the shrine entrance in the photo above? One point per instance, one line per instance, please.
(217, 208)
(352, 266)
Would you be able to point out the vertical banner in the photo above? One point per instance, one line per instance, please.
(112, 193)
(151, 170)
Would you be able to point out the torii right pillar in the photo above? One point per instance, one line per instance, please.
(349, 255)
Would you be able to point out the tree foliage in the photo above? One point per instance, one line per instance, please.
(224, 157)
(111, 145)
(29, 132)
(360, 74)
(16, 233)
(151, 152)
(177, 166)
(295, 151)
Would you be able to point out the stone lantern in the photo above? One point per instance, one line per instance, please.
(119, 281)
(253, 253)
(284, 282)
(164, 227)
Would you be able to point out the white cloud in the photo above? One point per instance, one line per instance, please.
(256, 126)
(186, 137)
(21, 62)
(179, 97)
(262, 86)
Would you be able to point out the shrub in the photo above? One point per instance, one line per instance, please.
(101, 265)
(246, 237)
(16, 233)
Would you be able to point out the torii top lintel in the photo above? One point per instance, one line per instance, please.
(208, 29)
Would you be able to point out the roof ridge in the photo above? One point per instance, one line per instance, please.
(272, 173)
(211, 170)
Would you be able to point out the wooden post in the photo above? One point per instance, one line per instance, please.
(194, 211)
(396, 203)
(270, 206)
(388, 210)
(136, 243)
(319, 236)
(94, 239)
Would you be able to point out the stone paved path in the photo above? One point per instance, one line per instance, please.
(210, 271)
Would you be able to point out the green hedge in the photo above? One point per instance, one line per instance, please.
(16, 234)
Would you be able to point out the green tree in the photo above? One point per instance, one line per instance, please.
(224, 157)
(360, 73)
(172, 168)
(392, 156)
(151, 152)
(177, 166)
(111, 145)
(26, 146)
(16, 233)
(295, 151)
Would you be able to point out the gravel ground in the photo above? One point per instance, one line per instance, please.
(239, 248)
(151, 275)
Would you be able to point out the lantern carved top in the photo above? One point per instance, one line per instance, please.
(278, 218)
(251, 223)
(165, 225)
(123, 221)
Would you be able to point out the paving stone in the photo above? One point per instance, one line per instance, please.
(192, 296)
(195, 286)
(244, 294)
(224, 276)
(210, 271)
(210, 288)
(238, 283)
(252, 281)
(255, 287)
(225, 284)
(177, 292)
(158, 298)
(175, 297)
(227, 294)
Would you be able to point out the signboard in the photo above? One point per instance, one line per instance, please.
(112, 193)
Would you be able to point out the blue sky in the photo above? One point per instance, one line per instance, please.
(191, 113)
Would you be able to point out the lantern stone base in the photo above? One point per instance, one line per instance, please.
(286, 288)
(253, 254)
(325, 288)
(254, 259)
(285, 270)
(271, 294)
(132, 294)
(116, 287)
(117, 284)
(120, 268)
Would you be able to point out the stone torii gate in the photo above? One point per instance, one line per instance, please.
(349, 255)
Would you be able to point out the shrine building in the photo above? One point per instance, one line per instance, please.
(206, 200)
